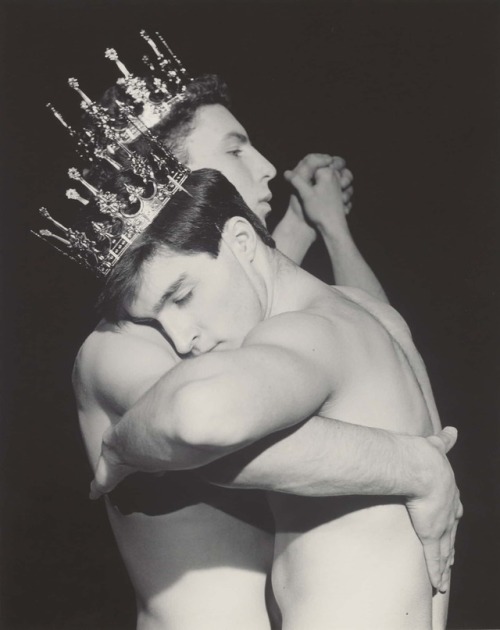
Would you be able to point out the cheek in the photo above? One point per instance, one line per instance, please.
(241, 180)
(245, 313)
(233, 308)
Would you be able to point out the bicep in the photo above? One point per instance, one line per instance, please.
(280, 377)
(281, 387)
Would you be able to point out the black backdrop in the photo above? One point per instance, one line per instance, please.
(407, 91)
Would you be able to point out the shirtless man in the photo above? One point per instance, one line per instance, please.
(169, 543)
(119, 363)
(257, 319)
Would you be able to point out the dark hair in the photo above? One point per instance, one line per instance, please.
(188, 224)
(207, 89)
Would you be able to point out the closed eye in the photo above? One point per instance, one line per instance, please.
(143, 321)
(180, 301)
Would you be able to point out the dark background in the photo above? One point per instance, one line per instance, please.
(408, 92)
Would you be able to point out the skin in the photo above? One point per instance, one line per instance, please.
(339, 351)
(118, 365)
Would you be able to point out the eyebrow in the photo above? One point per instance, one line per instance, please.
(172, 289)
(236, 135)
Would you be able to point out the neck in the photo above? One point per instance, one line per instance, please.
(287, 286)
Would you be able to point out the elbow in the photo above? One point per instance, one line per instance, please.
(202, 418)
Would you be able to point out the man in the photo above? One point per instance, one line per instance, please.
(170, 545)
(280, 346)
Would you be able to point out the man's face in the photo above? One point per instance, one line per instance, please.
(219, 141)
(202, 303)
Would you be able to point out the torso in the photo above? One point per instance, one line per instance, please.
(203, 564)
(353, 562)
(198, 556)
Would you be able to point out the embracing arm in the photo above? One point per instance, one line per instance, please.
(322, 457)
(218, 403)
(318, 205)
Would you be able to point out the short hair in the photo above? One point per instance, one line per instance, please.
(207, 89)
(172, 131)
(191, 222)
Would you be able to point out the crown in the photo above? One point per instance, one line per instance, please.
(154, 95)
(135, 180)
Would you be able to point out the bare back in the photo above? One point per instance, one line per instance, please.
(355, 562)
(198, 556)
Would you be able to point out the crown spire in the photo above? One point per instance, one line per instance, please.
(111, 54)
(59, 117)
(45, 214)
(71, 193)
(74, 174)
(148, 39)
(73, 83)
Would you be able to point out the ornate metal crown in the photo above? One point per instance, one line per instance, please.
(131, 175)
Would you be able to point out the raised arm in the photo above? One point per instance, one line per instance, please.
(316, 208)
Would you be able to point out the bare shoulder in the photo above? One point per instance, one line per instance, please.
(332, 322)
(117, 363)
(382, 311)
(306, 338)
(302, 326)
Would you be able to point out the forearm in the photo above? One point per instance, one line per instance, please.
(293, 236)
(350, 269)
(182, 421)
(325, 457)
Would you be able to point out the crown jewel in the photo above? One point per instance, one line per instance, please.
(127, 184)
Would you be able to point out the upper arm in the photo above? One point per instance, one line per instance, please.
(112, 371)
(281, 376)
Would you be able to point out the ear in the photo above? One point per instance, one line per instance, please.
(241, 237)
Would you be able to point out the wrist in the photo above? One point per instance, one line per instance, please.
(423, 463)
(294, 237)
(295, 226)
(339, 233)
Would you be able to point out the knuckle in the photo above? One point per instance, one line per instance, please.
(327, 174)
(347, 176)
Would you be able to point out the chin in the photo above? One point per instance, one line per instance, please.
(262, 210)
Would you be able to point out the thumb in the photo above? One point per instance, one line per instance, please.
(448, 437)
(299, 183)
(96, 487)
(95, 491)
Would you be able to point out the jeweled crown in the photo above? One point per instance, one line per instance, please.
(125, 183)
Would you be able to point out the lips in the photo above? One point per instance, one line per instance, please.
(198, 351)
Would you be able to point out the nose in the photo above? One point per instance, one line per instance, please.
(181, 333)
(263, 167)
